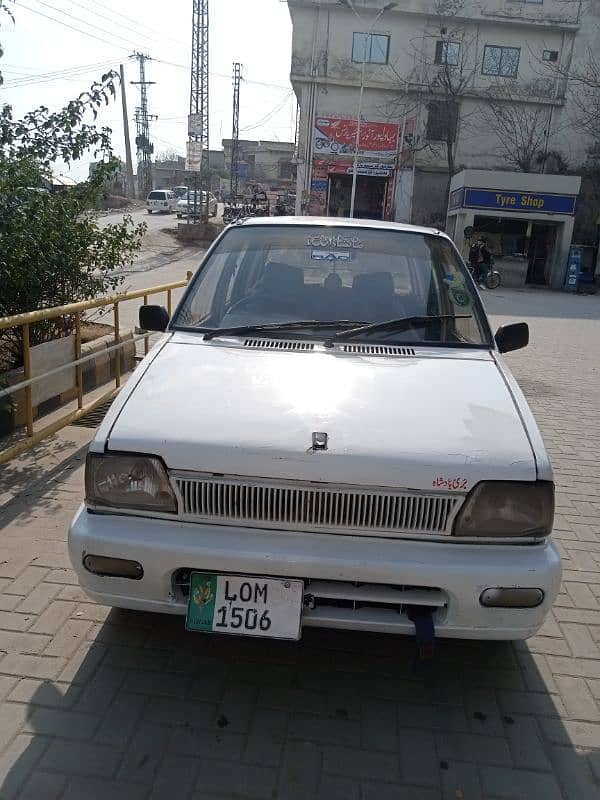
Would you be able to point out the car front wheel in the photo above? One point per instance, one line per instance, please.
(149, 210)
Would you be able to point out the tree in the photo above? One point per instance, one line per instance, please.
(441, 79)
(53, 251)
(170, 154)
(519, 123)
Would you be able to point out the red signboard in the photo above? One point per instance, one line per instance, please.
(338, 136)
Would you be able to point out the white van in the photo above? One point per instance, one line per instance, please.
(161, 200)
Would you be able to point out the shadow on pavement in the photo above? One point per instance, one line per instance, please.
(41, 473)
(146, 710)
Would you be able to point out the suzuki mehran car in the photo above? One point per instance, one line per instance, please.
(161, 201)
(325, 435)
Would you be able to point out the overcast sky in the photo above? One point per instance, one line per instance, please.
(84, 38)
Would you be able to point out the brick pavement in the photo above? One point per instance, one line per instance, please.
(111, 704)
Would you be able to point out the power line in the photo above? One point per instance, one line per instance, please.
(152, 38)
(84, 22)
(72, 27)
(270, 114)
(60, 75)
(138, 24)
(223, 75)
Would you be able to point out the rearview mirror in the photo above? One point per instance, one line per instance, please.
(512, 337)
(154, 318)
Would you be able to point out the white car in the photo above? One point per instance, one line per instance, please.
(326, 435)
(185, 206)
(161, 200)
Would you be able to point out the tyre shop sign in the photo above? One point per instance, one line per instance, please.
(335, 136)
(522, 202)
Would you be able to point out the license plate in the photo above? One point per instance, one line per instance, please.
(246, 605)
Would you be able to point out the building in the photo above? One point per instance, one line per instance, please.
(169, 173)
(268, 163)
(446, 85)
(527, 220)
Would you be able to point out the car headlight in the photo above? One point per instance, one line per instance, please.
(128, 481)
(498, 509)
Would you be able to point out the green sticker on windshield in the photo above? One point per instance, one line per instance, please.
(458, 290)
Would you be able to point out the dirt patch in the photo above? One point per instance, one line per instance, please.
(94, 330)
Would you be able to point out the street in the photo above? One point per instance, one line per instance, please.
(102, 703)
(162, 259)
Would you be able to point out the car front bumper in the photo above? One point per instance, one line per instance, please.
(460, 572)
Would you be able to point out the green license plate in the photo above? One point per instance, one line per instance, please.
(245, 604)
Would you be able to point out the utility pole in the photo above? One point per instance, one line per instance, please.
(199, 130)
(235, 131)
(129, 189)
(145, 148)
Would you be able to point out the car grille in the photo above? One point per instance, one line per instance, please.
(377, 350)
(279, 344)
(293, 506)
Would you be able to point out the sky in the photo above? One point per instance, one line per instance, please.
(57, 48)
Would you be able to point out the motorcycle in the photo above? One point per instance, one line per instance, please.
(492, 279)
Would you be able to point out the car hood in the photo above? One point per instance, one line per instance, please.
(409, 421)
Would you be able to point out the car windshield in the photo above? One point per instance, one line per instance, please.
(273, 274)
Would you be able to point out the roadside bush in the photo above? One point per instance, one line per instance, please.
(52, 250)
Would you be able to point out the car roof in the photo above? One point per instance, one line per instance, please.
(338, 222)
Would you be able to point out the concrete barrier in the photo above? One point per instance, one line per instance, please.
(57, 390)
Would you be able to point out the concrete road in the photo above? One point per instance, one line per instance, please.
(162, 259)
(100, 703)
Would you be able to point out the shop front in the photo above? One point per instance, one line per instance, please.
(333, 167)
(526, 219)
(332, 189)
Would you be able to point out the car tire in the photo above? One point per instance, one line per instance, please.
(149, 210)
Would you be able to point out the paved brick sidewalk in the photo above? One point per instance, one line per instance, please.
(111, 704)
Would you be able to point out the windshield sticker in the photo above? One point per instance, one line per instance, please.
(326, 240)
(450, 483)
(458, 291)
(329, 255)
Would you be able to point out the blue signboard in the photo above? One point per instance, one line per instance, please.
(319, 185)
(519, 202)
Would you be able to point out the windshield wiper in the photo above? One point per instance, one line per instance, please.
(393, 326)
(274, 327)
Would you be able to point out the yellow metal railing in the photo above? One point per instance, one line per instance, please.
(24, 321)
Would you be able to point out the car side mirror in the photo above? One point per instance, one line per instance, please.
(512, 337)
(154, 318)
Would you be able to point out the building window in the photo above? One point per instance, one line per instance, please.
(447, 53)
(550, 55)
(442, 121)
(373, 48)
(502, 61)
(286, 170)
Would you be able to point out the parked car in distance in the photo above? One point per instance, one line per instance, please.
(180, 191)
(191, 205)
(161, 200)
(326, 435)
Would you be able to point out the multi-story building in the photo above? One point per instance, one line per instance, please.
(442, 85)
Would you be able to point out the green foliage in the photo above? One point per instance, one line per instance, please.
(53, 251)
